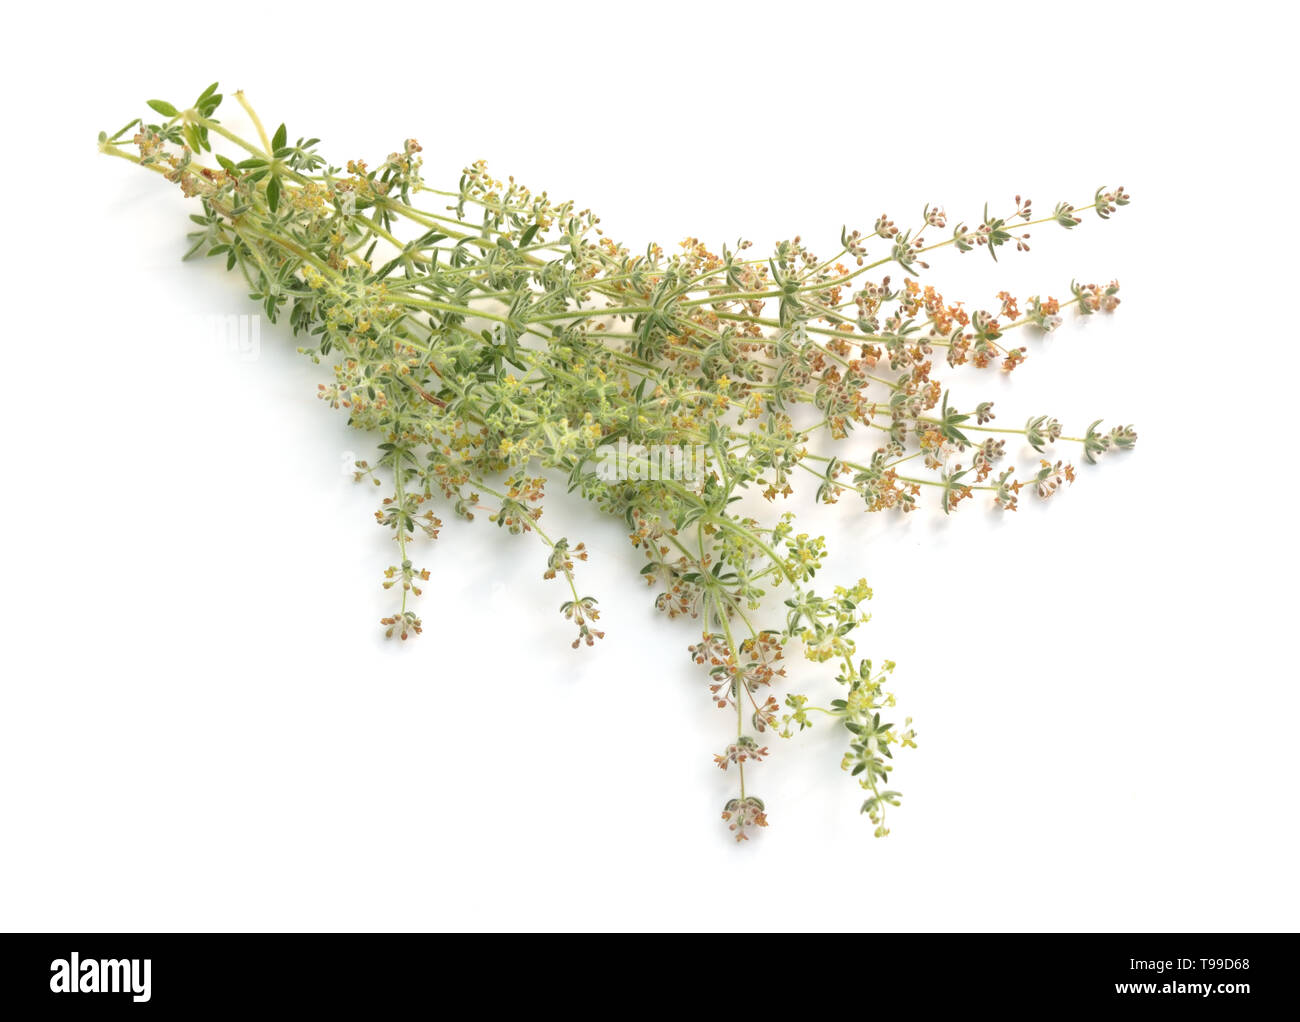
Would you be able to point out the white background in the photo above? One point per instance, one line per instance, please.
(200, 726)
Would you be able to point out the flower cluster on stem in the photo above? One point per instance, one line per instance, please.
(492, 338)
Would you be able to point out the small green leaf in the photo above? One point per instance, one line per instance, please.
(273, 193)
(281, 137)
(164, 108)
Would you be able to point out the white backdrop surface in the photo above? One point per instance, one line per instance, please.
(200, 724)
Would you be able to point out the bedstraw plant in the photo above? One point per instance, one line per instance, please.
(495, 340)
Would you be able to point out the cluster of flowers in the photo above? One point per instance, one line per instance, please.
(492, 338)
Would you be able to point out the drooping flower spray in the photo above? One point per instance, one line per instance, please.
(493, 339)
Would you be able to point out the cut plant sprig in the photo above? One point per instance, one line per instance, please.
(506, 340)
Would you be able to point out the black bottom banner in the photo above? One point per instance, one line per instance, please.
(45, 975)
